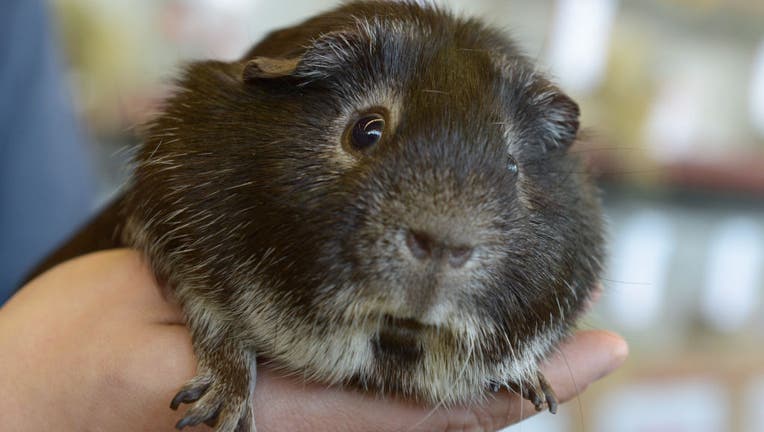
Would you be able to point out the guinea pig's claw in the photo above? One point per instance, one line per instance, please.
(549, 395)
(539, 392)
(215, 403)
(191, 392)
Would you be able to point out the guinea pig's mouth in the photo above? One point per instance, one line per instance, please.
(399, 337)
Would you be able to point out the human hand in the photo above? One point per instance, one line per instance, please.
(93, 345)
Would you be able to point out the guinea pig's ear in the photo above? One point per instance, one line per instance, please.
(322, 57)
(267, 67)
(559, 118)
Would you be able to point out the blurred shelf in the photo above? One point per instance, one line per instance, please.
(736, 175)
(739, 175)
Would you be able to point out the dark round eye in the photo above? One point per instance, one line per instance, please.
(367, 131)
(512, 165)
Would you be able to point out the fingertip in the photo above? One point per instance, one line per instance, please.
(586, 357)
(618, 345)
(617, 350)
(605, 350)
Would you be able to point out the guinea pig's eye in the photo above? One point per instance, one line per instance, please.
(512, 165)
(367, 131)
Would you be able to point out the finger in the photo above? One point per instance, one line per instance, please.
(585, 358)
(286, 404)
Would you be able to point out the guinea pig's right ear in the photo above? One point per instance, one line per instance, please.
(268, 68)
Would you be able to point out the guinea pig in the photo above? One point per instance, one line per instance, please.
(380, 197)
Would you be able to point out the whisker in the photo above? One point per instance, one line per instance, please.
(522, 403)
(435, 91)
(575, 387)
(625, 282)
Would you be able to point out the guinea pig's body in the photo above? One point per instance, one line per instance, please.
(379, 197)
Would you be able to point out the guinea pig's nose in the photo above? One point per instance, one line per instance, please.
(424, 246)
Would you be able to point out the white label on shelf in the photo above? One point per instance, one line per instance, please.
(639, 266)
(731, 290)
(757, 91)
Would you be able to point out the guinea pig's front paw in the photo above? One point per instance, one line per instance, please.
(221, 401)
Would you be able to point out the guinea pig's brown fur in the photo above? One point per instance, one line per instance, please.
(447, 258)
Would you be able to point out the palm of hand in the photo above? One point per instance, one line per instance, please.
(93, 344)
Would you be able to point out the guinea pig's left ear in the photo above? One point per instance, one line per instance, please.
(559, 114)
(559, 118)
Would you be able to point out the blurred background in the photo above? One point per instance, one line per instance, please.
(672, 96)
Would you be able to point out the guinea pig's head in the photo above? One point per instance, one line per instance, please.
(382, 194)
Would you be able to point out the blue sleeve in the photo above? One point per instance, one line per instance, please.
(46, 181)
